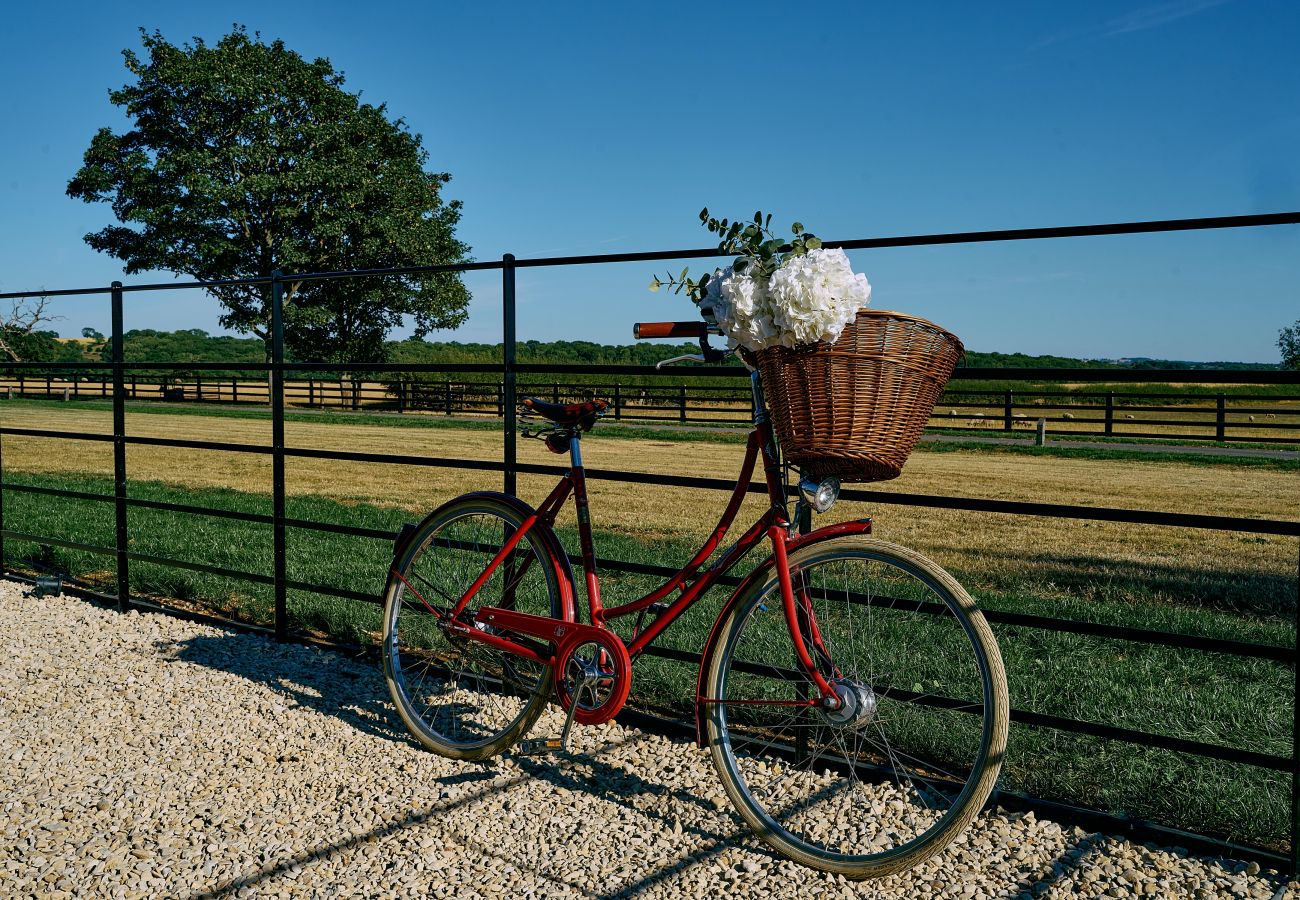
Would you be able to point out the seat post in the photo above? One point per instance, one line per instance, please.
(575, 449)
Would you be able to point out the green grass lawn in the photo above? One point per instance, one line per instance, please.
(1210, 697)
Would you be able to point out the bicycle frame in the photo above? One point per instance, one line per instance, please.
(774, 524)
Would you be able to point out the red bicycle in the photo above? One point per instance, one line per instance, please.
(851, 693)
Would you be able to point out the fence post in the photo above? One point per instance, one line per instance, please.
(277, 454)
(508, 354)
(134, 387)
(401, 396)
(1220, 417)
(119, 454)
(1110, 412)
(447, 398)
(618, 402)
(3, 569)
(1006, 411)
(682, 401)
(234, 390)
(1295, 748)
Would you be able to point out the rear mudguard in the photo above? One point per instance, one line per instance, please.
(550, 543)
(753, 581)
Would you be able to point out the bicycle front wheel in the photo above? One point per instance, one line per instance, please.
(914, 750)
(460, 697)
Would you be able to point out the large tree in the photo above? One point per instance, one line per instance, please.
(245, 158)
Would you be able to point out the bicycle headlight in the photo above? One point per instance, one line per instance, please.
(820, 495)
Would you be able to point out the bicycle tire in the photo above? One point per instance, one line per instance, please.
(928, 734)
(461, 698)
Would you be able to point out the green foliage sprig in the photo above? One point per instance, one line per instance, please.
(759, 252)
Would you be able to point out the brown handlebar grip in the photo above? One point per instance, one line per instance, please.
(643, 330)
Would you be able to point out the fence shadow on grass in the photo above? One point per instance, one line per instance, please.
(1240, 591)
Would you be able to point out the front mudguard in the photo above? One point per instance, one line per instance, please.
(551, 543)
(752, 582)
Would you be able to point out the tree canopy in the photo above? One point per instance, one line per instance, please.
(244, 158)
(1288, 341)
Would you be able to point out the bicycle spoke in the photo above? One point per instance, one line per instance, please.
(877, 771)
(465, 697)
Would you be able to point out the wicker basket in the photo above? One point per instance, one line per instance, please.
(857, 407)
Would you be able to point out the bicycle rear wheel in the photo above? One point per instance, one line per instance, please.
(459, 697)
(914, 751)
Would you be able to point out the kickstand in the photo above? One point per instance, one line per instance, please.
(561, 744)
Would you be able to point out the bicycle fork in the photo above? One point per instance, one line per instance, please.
(798, 611)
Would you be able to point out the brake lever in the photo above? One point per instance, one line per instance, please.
(689, 357)
(708, 353)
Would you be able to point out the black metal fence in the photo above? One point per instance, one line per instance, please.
(509, 372)
(1205, 415)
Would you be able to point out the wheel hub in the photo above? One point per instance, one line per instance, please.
(857, 707)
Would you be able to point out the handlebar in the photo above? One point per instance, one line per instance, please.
(644, 330)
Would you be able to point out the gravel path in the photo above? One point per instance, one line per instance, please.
(146, 756)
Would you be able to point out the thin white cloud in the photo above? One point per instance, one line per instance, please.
(1140, 19)
(1155, 16)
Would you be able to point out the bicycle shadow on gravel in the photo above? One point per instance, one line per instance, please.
(434, 815)
(320, 680)
(332, 685)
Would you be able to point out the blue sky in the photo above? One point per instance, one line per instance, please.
(591, 128)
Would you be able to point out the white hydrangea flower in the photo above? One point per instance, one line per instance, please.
(815, 295)
(811, 298)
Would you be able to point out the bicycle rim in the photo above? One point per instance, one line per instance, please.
(914, 752)
(460, 697)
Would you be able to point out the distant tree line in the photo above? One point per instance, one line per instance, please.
(196, 345)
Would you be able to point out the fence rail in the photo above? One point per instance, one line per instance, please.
(1266, 417)
(1106, 412)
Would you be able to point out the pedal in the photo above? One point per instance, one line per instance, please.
(539, 746)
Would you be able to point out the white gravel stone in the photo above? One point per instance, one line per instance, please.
(147, 756)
